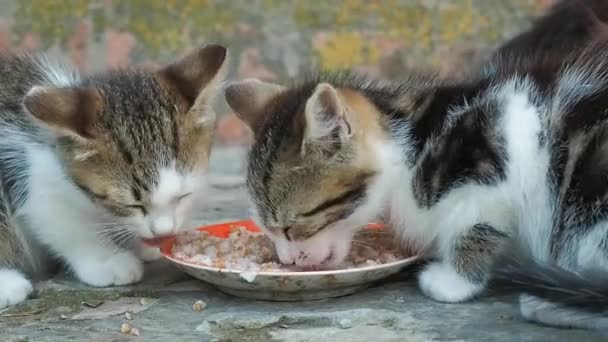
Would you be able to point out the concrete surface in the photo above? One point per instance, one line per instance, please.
(161, 306)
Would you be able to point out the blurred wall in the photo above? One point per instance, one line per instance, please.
(269, 39)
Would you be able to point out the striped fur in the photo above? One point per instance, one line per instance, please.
(90, 166)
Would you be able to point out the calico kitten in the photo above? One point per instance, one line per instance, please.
(92, 165)
(468, 171)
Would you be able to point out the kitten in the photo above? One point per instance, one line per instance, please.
(91, 166)
(468, 170)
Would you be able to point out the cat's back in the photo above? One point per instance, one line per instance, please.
(568, 25)
(19, 73)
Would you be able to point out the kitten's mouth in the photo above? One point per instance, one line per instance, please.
(323, 265)
(154, 242)
(329, 257)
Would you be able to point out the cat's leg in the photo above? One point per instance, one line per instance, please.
(465, 264)
(14, 288)
(93, 259)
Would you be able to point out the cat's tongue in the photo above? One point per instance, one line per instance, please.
(154, 242)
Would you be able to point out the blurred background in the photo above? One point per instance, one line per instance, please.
(272, 40)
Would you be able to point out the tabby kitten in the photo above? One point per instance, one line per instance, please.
(467, 170)
(91, 166)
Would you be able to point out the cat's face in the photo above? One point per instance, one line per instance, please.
(311, 167)
(137, 142)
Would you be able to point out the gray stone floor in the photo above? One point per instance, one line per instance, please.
(161, 305)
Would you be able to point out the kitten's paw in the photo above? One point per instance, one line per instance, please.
(147, 253)
(14, 288)
(443, 284)
(121, 268)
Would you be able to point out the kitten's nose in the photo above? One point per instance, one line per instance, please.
(163, 226)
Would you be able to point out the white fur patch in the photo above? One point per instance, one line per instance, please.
(590, 254)
(170, 185)
(65, 220)
(119, 268)
(57, 74)
(172, 201)
(527, 170)
(441, 282)
(15, 287)
(57, 212)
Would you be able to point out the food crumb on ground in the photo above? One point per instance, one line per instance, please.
(128, 315)
(145, 301)
(199, 305)
(125, 328)
(345, 323)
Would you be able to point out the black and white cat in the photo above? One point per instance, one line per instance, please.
(509, 166)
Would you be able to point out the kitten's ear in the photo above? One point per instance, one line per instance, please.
(326, 116)
(196, 75)
(72, 111)
(247, 99)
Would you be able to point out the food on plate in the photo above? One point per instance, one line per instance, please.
(247, 251)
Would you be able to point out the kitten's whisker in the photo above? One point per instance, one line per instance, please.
(116, 232)
(124, 238)
(121, 237)
(365, 243)
(365, 246)
(112, 231)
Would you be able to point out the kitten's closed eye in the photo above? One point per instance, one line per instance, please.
(181, 197)
(131, 206)
(349, 196)
(118, 207)
(117, 203)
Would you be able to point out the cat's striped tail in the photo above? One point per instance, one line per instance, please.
(553, 296)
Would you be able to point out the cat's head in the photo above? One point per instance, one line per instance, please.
(137, 142)
(313, 167)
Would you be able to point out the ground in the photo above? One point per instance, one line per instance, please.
(161, 306)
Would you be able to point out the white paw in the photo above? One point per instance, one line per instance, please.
(147, 253)
(121, 268)
(14, 288)
(443, 284)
